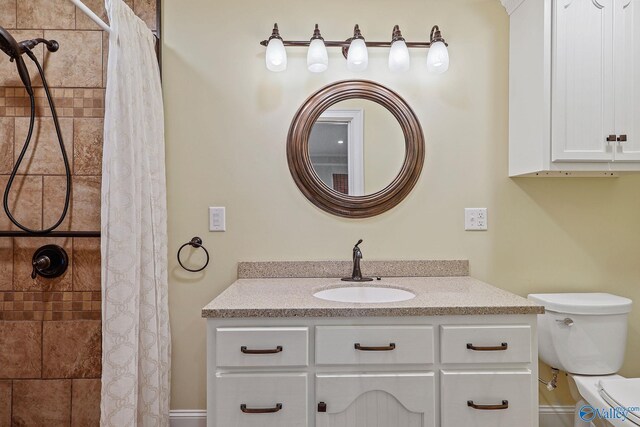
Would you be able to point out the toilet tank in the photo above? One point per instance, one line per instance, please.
(583, 333)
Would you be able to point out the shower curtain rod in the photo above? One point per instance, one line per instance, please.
(91, 15)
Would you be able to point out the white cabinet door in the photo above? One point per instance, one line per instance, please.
(381, 399)
(261, 400)
(627, 78)
(486, 398)
(582, 81)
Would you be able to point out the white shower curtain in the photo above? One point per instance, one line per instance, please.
(135, 319)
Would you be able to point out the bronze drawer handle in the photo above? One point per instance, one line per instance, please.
(246, 410)
(390, 347)
(501, 347)
(505, 405)
(245, 350)
(622, 138)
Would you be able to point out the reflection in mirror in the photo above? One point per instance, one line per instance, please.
(357, 147)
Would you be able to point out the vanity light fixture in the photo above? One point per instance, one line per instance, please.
(357, 54)
(317, 56)
(355, 50)
(438, 56)
(276, 57)
(399, 59)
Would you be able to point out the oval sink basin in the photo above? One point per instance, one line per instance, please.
(364, 294)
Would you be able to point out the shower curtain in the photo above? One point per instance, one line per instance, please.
(135, 318)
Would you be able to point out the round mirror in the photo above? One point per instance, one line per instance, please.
(355, 149)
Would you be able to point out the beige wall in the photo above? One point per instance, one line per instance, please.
(227, 120)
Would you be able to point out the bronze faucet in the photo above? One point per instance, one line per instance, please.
(356, 275)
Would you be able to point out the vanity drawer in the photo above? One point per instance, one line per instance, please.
(261, 400)
(356, 345)
(486, 344)
(501, 398)
(256, 347)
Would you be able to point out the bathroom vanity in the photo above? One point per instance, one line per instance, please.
(459, 353)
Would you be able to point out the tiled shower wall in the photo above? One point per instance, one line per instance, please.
(50, 330)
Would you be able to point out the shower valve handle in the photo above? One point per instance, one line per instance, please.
(41, 263)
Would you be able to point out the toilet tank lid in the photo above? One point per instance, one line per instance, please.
(583, 303)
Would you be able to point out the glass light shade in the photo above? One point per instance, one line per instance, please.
(399, 59)
(358, 56)
(438, 58)
(317, 57)
(276, 56)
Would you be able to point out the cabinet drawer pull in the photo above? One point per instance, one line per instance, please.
(612, 138)
(246, 410)
(391, 346)
(245, 350)
(505, 405)
(501, 347)
(622, 138)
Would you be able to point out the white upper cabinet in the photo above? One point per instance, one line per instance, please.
(627, 79)
(582, 82)
(574, 87)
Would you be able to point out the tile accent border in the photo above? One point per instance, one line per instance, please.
(50, 305)
(14, 102)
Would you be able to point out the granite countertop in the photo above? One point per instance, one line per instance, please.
(448, 294)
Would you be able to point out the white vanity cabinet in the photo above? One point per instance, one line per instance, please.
(574, 87)
(431, 371)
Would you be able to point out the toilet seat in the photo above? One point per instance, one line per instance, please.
(590, 389)
(622, 392)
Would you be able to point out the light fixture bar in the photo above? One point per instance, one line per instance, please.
(435, 31)
(354, 49)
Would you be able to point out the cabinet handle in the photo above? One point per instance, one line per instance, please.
(390, 347)
(245, 350)
(246, 410)
(612, 138)
(501, 347)
(505, 405)
(622, 138)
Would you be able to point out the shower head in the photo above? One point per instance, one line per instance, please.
(11, 47)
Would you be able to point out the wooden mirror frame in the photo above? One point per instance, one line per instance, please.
(308, 180)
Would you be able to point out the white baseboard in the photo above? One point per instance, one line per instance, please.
(556, 416)
(188, 418)
(550, 416)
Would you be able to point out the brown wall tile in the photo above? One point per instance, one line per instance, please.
(60, 14)
(87, 146)
(85, 207)
(20, 349)
(78, 63)
(5, 403)
(43, 156)
(71, 349)
(7, 132)
(7, 17)
(6, 264)
(22, 257)
(8, 72)
(86, 265)
(146, 10)
(85, 403)
(25, 202)
(42, 403)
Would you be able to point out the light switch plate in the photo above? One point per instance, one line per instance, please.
(217, 219)
(475, 219)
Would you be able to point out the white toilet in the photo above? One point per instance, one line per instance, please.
(585, 335)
